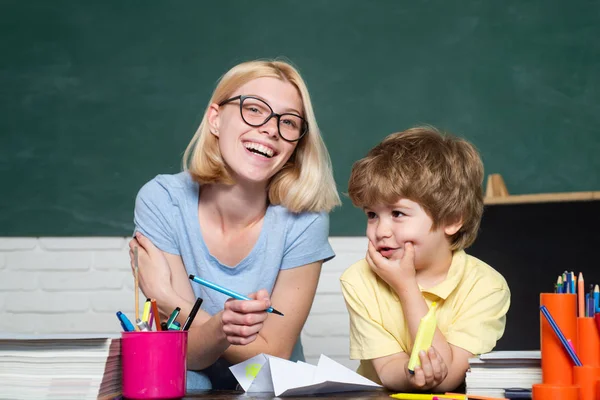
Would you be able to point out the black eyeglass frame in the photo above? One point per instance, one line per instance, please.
(241, 98)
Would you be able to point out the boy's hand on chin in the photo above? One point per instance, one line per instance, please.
(393, 272)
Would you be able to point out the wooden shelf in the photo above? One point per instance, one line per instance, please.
(496, 193)
(543, 198)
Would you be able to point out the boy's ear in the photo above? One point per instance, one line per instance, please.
(452, 227)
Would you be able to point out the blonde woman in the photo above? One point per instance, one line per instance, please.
(249, 212)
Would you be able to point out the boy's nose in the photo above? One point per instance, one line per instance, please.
(383, 230)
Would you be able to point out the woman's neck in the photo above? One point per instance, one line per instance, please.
(232, 207)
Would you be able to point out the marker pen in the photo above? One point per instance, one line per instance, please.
(174, 315)
(424, 338)
(174, 326)
(146, 312)
(190, 318)
(125, 323)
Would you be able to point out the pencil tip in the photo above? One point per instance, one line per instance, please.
(191, 276)
(277, 312)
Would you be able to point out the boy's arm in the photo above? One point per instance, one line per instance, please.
(369, 339)
(393, 373)
(477, 328)
(392, 369)
(402, 278)
(455, 358)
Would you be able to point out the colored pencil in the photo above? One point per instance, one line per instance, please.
(227, 292)
(136, 283)
(560, 335)
(580, 296)
(156, 315)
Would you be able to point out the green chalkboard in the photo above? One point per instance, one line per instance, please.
(98, 97)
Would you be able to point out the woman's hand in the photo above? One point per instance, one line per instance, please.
(431, 373)
(153, 269)
(243, 319)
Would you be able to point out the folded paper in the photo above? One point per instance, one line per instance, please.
(265, 373)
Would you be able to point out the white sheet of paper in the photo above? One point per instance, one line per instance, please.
(286, 378)
(287, 375)
(246, 371)
(263, 381)
(329, 370)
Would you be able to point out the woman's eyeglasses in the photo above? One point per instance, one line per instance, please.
(256, 112)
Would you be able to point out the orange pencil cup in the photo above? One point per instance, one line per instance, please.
(554, 392)
(557, 366)
(586, 377)
(588, 342)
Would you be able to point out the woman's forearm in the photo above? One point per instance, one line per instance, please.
(237, 354)
(167, 302)
(206, 343)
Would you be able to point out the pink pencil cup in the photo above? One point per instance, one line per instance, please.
(154, 364)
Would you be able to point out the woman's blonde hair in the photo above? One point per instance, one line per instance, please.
(305, 183)
(441, 172)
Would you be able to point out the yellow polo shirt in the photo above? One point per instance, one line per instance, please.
(472, 303)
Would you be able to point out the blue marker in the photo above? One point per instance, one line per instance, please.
(228, 292)
(125, 323)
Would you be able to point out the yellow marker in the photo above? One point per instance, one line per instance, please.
(416, 396)
(424, 337)
(146, 313)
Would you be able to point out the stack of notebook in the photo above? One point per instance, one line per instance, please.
(60, 367)
(490, 374)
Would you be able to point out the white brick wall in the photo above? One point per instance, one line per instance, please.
(55, 285)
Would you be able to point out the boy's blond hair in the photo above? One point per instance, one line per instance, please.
(443, 173)
(305, 183)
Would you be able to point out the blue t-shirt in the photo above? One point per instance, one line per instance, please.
(166, 212)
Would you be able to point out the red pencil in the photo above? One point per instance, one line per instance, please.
(156, 314)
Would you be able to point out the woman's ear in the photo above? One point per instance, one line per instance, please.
(453, 227)
(214, 119)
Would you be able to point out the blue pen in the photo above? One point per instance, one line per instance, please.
(125, 323)
(228, 292)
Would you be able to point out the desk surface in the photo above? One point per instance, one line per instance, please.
(230, 394)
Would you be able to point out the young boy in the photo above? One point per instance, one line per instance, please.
(422, 194)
